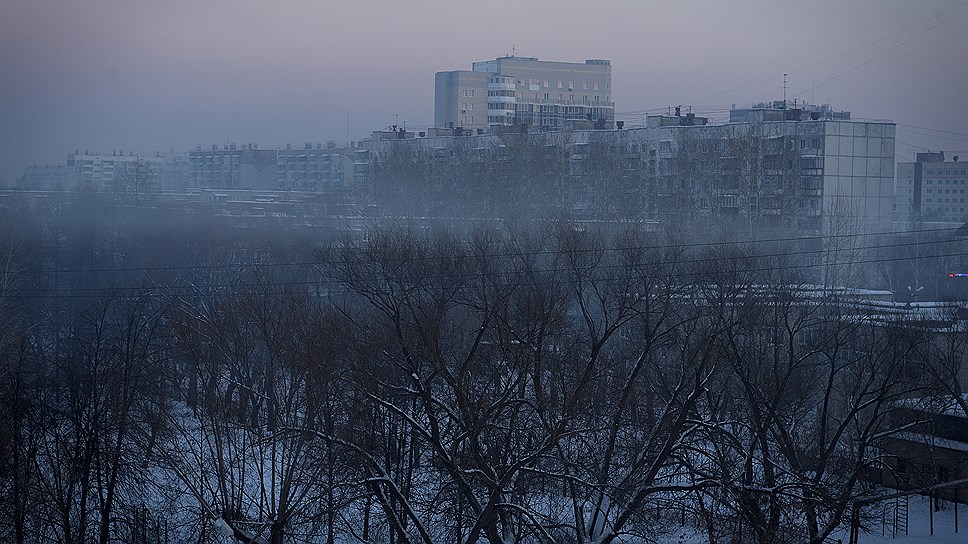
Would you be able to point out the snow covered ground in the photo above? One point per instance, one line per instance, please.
(919, 526)
(919, 529)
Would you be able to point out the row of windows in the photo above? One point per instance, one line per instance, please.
(944, 209)
(499, 119)
(947, 172)
(944, 191)
(946, 182)
(501, 92)
(814, 143)
(548, 108)
(468, 93)
(946, 200)
(597, 99)
(561, 84)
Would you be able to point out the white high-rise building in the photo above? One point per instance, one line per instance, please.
(544, 95)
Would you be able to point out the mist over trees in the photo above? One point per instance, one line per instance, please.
(168, 376)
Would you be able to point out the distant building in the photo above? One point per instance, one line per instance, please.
(783, 172)
(780, 110)
(461, 99)
(102, 172)
(48, 177)
(162, 171)
(546, 95)
(232, 167)
(932, 189)
(311, 167)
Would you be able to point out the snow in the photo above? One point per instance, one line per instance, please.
(919, 528)
(935, 441)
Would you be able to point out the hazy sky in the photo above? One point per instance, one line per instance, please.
(102, 75)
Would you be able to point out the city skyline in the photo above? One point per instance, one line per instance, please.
(105, 75)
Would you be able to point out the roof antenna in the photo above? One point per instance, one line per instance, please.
(513, 49)
(784, 90)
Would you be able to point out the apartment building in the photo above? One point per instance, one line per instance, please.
(234, 167)
(101, 172)
(513, 90)
(461, 100)
(312, 167)
(932, 189)
(777, 170)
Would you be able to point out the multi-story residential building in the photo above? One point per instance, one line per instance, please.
(48, 177)
(231, 167)
(546, 95)
(461, 99)
(777, 170)
(311, 167)
(160, 171)
(97, 172)
(932, 189)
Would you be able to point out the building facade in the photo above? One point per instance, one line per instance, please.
(312, 167)
(546, 95)
(102, 172)
(932, 189)
(774, 172)
(461, 100)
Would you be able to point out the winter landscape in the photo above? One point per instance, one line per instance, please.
(638, 272)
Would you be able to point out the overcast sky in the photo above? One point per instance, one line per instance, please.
(101, 75)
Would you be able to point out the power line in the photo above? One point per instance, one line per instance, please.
(696, 261)
(522, 254)
(192, 290)
(882, 53)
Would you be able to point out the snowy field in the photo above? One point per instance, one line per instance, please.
(919, 528)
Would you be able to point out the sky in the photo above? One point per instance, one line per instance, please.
(136, 76)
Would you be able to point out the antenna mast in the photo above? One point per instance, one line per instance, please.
(784, 91)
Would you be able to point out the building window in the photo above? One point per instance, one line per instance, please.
(597, 87)
(584, 86)
(571, 85)
(546, 84)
